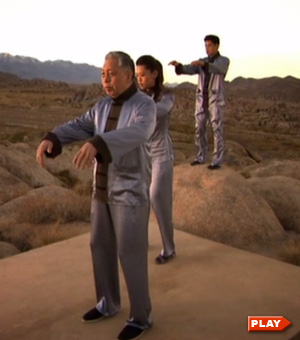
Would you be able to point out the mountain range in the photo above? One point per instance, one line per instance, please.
(58, 70)
(287, 88)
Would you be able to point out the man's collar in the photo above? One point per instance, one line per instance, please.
(132, 89)
(214, 57)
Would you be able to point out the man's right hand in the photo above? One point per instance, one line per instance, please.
(174, 63)
(46, 145)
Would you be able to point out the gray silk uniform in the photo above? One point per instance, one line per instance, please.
(210, 105)
(162, 172)
(120, 226)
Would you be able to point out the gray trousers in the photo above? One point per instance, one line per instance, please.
(121, 231)
(215, 117)
(161, 201)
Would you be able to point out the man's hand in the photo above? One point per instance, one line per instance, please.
(84, 157)
(197, 63)
(174, 63)
(46, 145)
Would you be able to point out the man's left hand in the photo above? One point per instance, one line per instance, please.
(84, 157)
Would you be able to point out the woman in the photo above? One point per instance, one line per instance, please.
(150, 78)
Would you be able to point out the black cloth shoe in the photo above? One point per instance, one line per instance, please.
(130, 332)
(196, 162)
(92, 315)
(161, 259)
(214, 167)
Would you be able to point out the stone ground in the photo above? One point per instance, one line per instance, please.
(207, 292)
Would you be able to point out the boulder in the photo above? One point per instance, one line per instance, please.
(61, 167)
(221, 206)
(283, 195)
(64, 164)
(45, 205)
(238, 157)
(24, 166)
(11, 186)
(274, 167)
(179, 157)
(7, 249)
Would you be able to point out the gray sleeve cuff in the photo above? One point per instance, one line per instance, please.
(179, 69)
(57, 148)
(104, 154)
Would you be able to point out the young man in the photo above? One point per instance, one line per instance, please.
(116, 131)
(210, 99)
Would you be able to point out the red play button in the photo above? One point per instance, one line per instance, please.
(267, 323)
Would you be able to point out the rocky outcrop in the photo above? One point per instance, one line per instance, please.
(274, 167)
(11, 186)
(238, 157)
(23, 165)
(43, 216)
(220, 205)
(238, 205)
(45, 205)
(7, 249)
(283, 195)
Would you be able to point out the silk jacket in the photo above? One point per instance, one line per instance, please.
(216, 89)
(161, 142)
(129, 172)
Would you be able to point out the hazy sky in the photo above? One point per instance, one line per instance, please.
(261, 37)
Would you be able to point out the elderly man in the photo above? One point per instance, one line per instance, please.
(210, 99)
(116, 131)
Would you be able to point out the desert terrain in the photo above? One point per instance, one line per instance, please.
(258, 188)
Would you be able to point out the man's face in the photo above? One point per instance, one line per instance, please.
(211, 48)
(115, 79)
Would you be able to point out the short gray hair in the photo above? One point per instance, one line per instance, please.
(124, 59)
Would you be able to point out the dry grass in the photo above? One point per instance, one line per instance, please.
(74, 183)
(67, 178)
(30, 236)
(48, 210)
(84, 189)
(45, 220)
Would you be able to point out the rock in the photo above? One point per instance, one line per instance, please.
(283, 195)
(274, 167)
(45, 205)
(220, 205)
(23, 165)
(61, 166)
(254, 155)
(179, 156)
(7, 249)
(236, 156)
(11, 186)
(64, 164)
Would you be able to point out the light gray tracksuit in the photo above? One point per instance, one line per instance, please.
(119, 228)
(210, 105)
(162, 172)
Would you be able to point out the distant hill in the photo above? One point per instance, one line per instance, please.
(275, 88)
(58, 70)
(186, 85)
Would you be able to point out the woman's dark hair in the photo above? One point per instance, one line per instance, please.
(153, 65)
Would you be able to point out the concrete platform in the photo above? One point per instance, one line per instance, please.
(206, 293)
